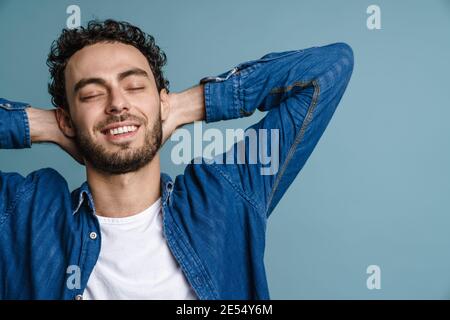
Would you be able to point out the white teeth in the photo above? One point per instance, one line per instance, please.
(120, 130)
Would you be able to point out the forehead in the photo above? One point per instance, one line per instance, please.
(104, 60)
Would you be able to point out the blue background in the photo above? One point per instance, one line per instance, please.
(377, 188)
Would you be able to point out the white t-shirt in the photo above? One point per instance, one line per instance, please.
(135, 261)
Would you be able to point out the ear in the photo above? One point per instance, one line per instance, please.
(164, 104)
(65, 122)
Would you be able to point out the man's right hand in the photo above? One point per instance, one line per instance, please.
(44, 128)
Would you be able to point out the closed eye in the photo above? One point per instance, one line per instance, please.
(91, 97)
(136, 88)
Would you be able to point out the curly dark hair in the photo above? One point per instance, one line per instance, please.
(72, 40)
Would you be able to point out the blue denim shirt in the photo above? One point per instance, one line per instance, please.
(214, 214)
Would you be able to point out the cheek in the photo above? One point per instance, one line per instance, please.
(149, 102)
(84, 126)
(150, 109)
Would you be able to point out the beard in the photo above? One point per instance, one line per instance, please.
(126, 159)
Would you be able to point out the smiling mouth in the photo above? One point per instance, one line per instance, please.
(121, 132)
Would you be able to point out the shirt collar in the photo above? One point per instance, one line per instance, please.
(79, 196)
(166, 188)
(82, 193)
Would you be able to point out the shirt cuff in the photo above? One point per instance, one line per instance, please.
(14, 125)
(222, 101)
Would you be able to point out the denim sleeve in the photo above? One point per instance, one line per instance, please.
(14, 125)
(300, 89)
(14, 134)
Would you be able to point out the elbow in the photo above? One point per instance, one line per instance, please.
(344, 55)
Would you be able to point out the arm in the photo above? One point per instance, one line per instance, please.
(14, 125)
(44, 128)
(20, 126)
(14, 134)
(301, 90)
(185, 107)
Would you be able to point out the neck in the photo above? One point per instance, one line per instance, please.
(124, 195)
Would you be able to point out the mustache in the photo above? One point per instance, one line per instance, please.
(120, 118)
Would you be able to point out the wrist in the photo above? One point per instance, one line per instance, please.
(43, 125)
(189, 105)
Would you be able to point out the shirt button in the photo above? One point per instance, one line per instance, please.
(93, 235)
(78, 297)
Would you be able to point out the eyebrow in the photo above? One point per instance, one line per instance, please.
(132, 72)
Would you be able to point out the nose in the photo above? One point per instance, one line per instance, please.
(118, 103)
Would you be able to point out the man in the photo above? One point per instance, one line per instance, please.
(130, 232)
